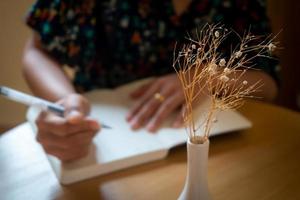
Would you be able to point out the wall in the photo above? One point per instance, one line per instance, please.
(13, 34)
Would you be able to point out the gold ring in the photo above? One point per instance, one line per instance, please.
(159, 97)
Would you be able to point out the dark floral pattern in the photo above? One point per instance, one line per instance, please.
(109, 43)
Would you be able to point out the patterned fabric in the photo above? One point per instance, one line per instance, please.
(112, 42)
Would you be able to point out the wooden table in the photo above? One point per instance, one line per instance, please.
(260, 163)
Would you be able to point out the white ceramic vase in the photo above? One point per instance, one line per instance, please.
(196, 185)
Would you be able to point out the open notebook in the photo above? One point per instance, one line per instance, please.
(120, 147)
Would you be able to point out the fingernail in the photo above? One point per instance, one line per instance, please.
(74, 116)
(128, 117)
(73, 112)
(151, 128)
(134, 124)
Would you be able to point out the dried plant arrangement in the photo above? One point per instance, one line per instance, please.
(203, 70)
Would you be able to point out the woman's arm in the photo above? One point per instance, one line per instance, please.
(67, 137)
(268, 91)
(43, 74)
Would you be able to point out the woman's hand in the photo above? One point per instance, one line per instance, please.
(68, 137)
(155, 101)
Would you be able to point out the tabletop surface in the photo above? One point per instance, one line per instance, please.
(259, 163)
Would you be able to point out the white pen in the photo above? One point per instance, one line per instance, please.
(31, 100)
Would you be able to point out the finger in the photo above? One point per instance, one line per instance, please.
(144, 114)
(50, 139)
(48, 121)
(171, 104)
(81, 139)
(41, 117)
(85, 125)
(66, 156)
(141, 90)
(142, 100)
(68, 143)
(60, 126)
(93, 124)
(178, 122)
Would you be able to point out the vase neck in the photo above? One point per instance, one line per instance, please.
(197, 159)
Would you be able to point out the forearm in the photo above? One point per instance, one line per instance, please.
(268, 90)
(264, 86)
(43, 75)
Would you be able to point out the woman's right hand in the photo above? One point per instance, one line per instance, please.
(69, 137)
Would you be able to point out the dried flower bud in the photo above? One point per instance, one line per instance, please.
(212, 68)
(224, 78)
(217, 34)
(245, 82)
(271, 47)
(194, 46)
(222, 62)
(227, 70)
(238, 54)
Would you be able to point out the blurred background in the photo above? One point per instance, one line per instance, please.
(284, 16)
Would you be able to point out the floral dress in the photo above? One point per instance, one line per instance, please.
(112, 42)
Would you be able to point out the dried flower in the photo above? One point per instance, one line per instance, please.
(238, 54)
(199, 73)
(212, 68)
(217, 34)
(222, 62)
(271, 47)
(224, 78)
(227, 71)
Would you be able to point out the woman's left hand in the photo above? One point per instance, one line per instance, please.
(155, 101)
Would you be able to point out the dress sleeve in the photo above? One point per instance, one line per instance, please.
(239, 15)
(66, 29)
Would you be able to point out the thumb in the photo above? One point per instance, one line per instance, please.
(74, 116)
(76, 107)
